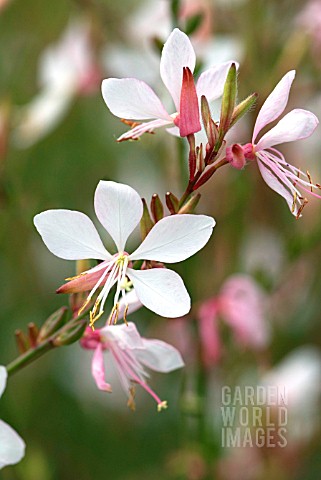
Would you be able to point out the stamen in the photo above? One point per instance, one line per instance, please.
(162, 406)
(310, 179)
(93, 319)
(84, 306)
(305, 201)
(131, 400)
(295, 197)
(125, 314)
(75, 277)
(113, 317)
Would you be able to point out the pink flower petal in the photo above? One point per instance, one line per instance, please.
(275, 104)
(177, 53)
(159, 356)
(98, 369)
(130, 98)
(189, 114)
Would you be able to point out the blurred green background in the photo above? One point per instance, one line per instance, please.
(71, 430)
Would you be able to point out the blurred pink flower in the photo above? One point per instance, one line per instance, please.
(298, 124)
(241, 305)
(66, 69)
(133, 99)
(12, 447)
(130, 354)
(310, 20)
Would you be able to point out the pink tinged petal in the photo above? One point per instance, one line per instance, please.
(125, 336)
(159, 356)
(98, 369)
(275, 183)
(162, 291)
(3, 379)
(296, 125)
(275, 104)
(12, 447)
(188, 119)
(148, 127)
(119, 209)
(211, 82)
(132, 99)
(85, 282)
(175, 238)
(177, 53)
(70, 235)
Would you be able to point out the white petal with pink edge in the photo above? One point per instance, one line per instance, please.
(162, 291)
(131, 98)
(296, 125)
(70, 235)
(136, 132)
(126, 336)
(159, 356)
(98, 369)
(175, 238)
(211, 82)
(177, 53)
(275, 104)
(119, 209)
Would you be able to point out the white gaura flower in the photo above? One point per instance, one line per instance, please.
(130, 353)
(133, 99)
(71, 235)
(12, 447)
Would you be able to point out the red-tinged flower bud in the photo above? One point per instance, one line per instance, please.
(156, 208)
(191, 204)
(235, 156)
(188, 119)
(53, 323)
(172, 202)
(249, 151)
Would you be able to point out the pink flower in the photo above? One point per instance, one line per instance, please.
(130, 353)
(298, 124)
(241, 305)
(133, 99)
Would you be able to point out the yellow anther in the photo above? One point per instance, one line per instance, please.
(310, 179)
(93, 319)
(131, 400)
(162, 406)
(295, 197)
(113, 317)
(75, 277)
(125, 315)
(84, 306)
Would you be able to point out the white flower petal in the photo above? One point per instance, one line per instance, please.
(211, 82)
(119, 209)
(70, 235)
(296, 125)
(125, 336)
(132, 99)
(175, 238)
(3, 379)
(162, 291)
(275, 104)
(12, 447)
(177, 53)
(131, 301)
(159, 356)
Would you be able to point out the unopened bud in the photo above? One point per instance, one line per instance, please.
(156, 208)
(209, 125)
(228, 101)
(235, 156)
(191, 204)
(200, 160)
(243, 107)
(146, 223)
(188, 119)
(172, 202)
(53, 323)
(21, 341)
(70, 334)
(33, 334)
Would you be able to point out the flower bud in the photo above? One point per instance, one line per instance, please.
(70, 334)
(235, 156)
(156, 208)
(172, 202)
(53, 323)
(209, 125)
(191, 204)
(146, 223)
(200, 160)
(188, 119)
(243, 107)
(228, 101)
